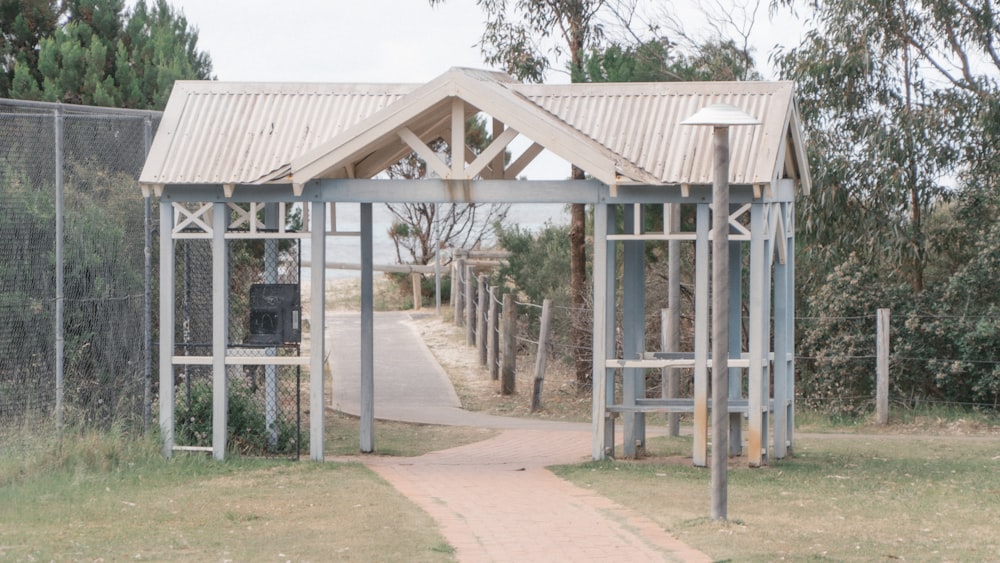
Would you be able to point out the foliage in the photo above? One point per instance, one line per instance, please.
(246, 428)
(899, 100)
(658, 61)
(96, 52)
(537, 263)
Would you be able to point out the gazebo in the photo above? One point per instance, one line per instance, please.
(231, 161)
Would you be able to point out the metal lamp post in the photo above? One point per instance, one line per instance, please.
(721, 117)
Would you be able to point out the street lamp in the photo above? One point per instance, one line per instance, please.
(721, 117)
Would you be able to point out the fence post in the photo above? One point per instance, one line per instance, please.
(882, 366)
(481, 319)
(508, 361)
(457, 285)
(470, 306)
(417, 300)
(60, 268)
(543, 354)
(147, 295)
(492, 342)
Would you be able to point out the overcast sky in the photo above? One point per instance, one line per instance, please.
(374, 40)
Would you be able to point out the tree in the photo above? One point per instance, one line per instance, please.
(526, 38)
(23, 24)
(99, 53)
(417, 227)
(901, 101)
(888, 117)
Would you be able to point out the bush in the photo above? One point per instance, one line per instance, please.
(246, 428)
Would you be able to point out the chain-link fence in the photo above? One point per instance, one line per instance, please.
(77, 307)
(75, 301)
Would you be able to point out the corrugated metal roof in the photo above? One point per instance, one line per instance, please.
(245, 133)
(218, 132)
(642, 123)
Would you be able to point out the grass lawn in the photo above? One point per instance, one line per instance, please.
(94, 498)
(841, 497)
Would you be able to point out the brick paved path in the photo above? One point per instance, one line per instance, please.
(494, 500)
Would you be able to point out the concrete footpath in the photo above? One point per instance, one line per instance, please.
(493, 500)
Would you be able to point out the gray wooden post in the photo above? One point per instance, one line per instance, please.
(882, 366)
(759, 335)
(720, 325)
(602, 443)
(699, 453)
(417, 297)
(220, 315)
(784, 337)
(668, 376)
(167, 299)
(470, 306)
(317, 320)
(59, 329)
(633, 329)
(508, 358)
(367, 432)
(457, 288)
(541, 357)
(492, 342)
(672, 320)
(735, 342)
(481, 319)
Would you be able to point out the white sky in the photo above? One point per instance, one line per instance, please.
(379, 40)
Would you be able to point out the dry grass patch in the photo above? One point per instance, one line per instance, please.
(857, 498)
(561, 399)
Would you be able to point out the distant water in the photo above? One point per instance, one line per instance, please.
(348, 249)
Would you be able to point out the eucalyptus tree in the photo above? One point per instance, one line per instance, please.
(902, 107)
(893, 94)
(527, 38)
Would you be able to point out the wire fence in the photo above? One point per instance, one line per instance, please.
(75, 299)
(835, 359)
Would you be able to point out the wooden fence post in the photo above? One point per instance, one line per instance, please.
(457, 284)
(470, 306)
(508, 359)
(481, 319)
(882, 366)
(542, 356)
(492, 342)
(415, 280)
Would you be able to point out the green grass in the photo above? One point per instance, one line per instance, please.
(102, 496)
(851, 497)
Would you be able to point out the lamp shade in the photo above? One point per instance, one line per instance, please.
(721, 115)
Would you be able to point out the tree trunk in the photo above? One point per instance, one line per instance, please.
(578, 287)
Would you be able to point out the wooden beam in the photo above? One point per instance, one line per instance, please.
(433, 161)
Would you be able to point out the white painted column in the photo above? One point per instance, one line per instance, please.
(600, 331)
(220, 336)
(317, 328)
(783, 298)
(167, 297)
(758, 335)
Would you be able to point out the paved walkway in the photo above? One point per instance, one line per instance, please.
(493, 500)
